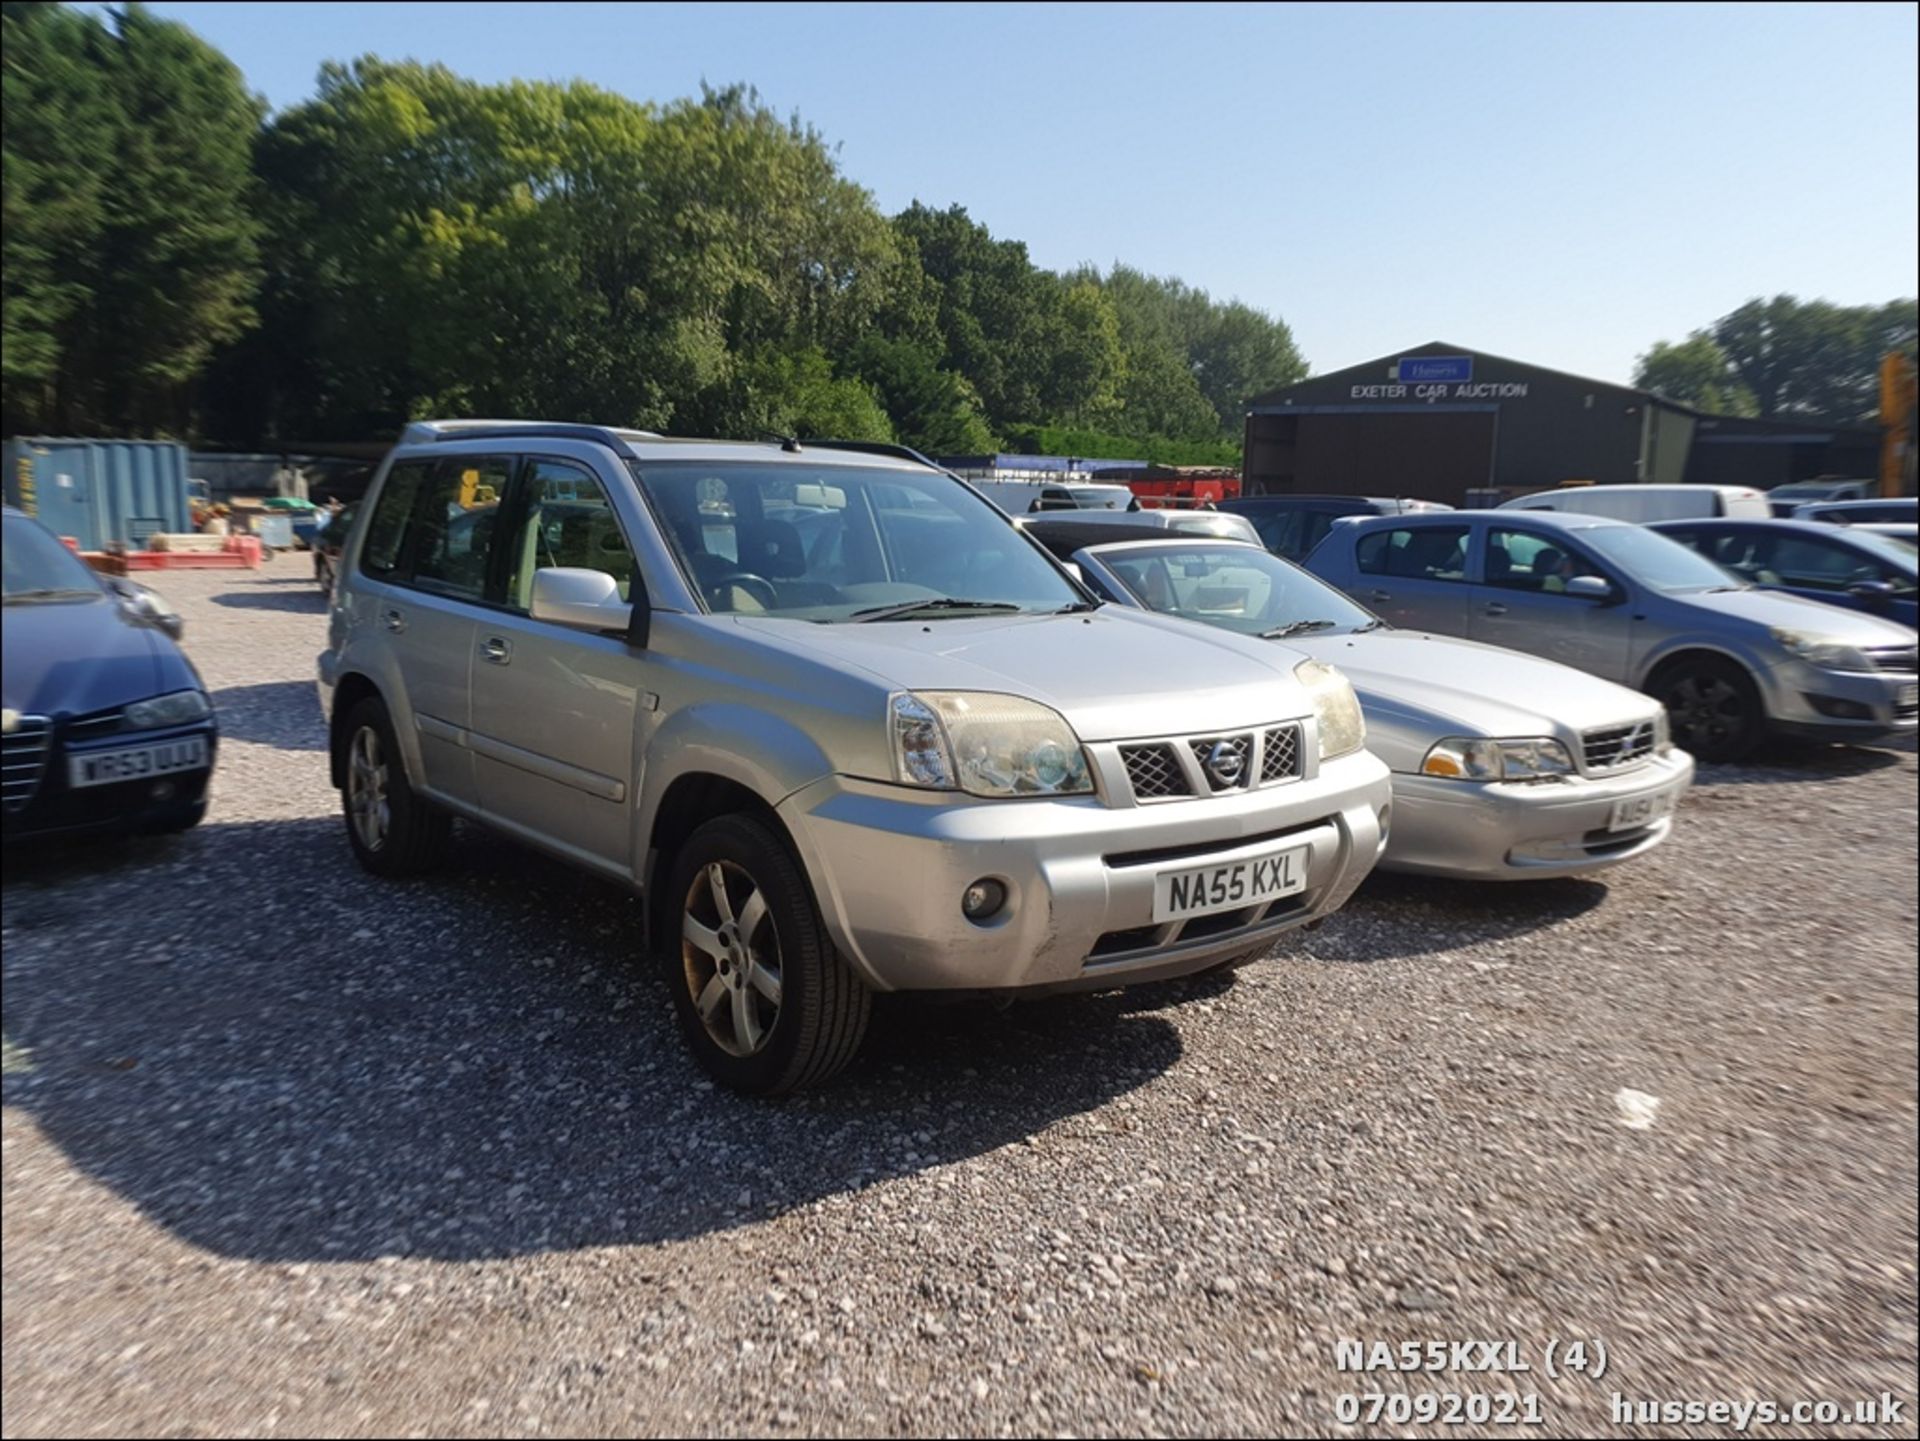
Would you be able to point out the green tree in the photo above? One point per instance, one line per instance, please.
(58, 128)
(129, 225)
(1813, 357)
(933, 410)
(1694, 372)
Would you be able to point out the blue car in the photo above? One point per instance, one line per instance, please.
(1837, 564)
(106, 725)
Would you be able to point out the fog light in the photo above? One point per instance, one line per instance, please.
(162, 790)
(1839, 709)
(982, 900)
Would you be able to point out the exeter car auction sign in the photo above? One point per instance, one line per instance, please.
(1438, 377)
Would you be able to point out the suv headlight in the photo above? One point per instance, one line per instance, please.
(175, 708)
(986, 745)
(1822, 651)
(1662, 733)
(1335, 706)
(1531, 758)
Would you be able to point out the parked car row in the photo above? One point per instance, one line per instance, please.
(848, 728)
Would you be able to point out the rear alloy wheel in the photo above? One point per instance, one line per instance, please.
(394, 831)
(1714, 709)
(765, 1001)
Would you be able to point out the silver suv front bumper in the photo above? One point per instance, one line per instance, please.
(889, 864)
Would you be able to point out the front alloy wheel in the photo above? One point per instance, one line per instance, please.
(730, 954)
(765, 1001)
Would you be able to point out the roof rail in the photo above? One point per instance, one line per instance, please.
(879, 447)
(615, 438)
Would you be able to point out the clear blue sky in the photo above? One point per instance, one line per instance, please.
(1563, 184)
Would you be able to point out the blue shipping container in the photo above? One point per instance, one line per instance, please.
(98, 491)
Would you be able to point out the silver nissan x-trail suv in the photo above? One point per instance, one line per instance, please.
(843, 726)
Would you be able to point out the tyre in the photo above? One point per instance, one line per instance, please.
(766, 1003)
(393, 831)
(1714, 708)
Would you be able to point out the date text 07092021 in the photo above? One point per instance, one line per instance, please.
(1430, 1356)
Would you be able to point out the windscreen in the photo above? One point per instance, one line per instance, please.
(35, 566)
(834, 543)
(1656, 560)
(1236, 587)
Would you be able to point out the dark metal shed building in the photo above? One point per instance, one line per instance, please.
(1439, 420)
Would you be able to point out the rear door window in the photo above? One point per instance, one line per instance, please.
(1416, 553)
(455, 525)
(384, 554)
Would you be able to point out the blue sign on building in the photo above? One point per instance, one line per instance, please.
(1412, 370)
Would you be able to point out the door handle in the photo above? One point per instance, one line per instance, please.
(1378, 595)
(1495, 608)
(396, 622)
(495, 649)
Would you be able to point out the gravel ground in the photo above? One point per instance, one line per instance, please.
(290, 1150)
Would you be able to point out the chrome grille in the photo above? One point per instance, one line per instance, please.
(1898, 658)
(92, 727)
(1226, 762)
(1280, 754)
(1154, 772)
(1616, 747)
(23, 759)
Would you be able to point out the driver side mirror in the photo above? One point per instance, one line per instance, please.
(585, 600)
(148, 606)
(1592, 587)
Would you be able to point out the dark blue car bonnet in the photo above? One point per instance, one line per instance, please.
(82, 656)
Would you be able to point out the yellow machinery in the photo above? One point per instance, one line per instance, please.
(1897, 404)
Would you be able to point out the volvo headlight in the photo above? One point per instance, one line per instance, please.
(176, 708)
(1822, 651)
(1531, 758)
(986, 745)
(1662, 733)
(1335, 706)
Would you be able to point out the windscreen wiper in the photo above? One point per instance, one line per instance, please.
(932, 602)
(47, 593)
(1297, 627)
(1374, 624)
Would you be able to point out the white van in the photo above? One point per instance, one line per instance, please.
(1026, 497)
(1642, 504)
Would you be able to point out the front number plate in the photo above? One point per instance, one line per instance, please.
(103, 768)
(1202, 889)
(1638, 811)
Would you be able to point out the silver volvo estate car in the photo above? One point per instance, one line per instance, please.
(838, 721)
(1505, 766)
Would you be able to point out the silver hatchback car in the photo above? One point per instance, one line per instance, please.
(1731, 663)
(843, 727)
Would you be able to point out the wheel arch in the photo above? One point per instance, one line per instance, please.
(349, 691)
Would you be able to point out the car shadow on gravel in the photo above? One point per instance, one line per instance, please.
(1395, 916)
(307, 598)
(278, 1057)
(1781, 760)
(283, 713)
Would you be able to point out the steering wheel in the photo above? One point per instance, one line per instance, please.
(759, 587)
